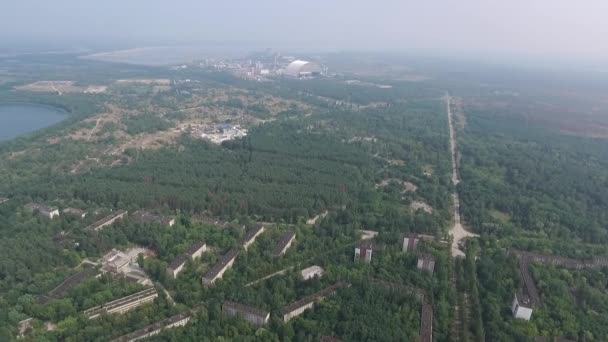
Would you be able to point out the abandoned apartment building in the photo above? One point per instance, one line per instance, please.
(193, 252)
(298, 307)
(42, 210)
(217, 271)
(145, 217)
(123, 304)
(179, 320)
(250, 314)
(284, 243)
(106, 221)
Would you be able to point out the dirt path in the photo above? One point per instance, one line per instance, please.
(457, 232)
(94, 128)
(269, 276)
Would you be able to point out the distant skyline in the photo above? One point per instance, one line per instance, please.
(555, 31)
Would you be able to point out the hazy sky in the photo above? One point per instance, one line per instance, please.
(553, 29)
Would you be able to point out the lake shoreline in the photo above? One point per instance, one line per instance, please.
(19, 119)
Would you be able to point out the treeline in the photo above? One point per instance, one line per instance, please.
(545, 183)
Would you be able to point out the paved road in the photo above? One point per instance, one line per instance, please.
(457, 232)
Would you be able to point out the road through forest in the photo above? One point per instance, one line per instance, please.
(457, 232)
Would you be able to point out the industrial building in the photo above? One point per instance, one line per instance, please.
(251, 235)
(311, 272)
(155, 329)
(193, 252)
(298, 307)
(124, 304)
(363, 251)
(43, 210)
(302, 69)
(106, 221)
(218, 270)
(250, 314)
(284, 243)
(426, 262)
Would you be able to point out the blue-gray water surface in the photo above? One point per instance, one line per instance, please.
(18, 119)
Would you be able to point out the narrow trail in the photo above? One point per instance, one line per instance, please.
(94, 129)
(269, 276)
(457, 232)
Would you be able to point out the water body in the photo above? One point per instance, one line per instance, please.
(18, 119)
(167, 55)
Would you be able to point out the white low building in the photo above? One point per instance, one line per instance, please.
(520, 308)
(311, 272)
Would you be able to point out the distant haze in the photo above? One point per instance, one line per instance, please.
(552, 30)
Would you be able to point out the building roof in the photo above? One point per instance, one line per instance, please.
(297, 67)
(426, 323)
(146, 217)
(74, 211)
(152, 327)
(71, 281)
(283, 241)
(180, 259)
(221, 263)
(106, 219)
(313, 297)
(251, 233)
(195, 247)
(40, 207)
(365, 244)
(121, 302)
(177, 262)
(246, 309)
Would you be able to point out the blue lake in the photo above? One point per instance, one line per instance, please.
(18, 119)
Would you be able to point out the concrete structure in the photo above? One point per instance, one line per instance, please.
(43, 210)
(410, 242)
(193, 252)
(363, 251)
(124, 304)
(284, 243)
(298, 307)
(24, 326)
(74, 212)
(426, 262)
(302, 69)
(251, 235)
(115, 261)
(426, 323)
(3, 200)
(521, 307)
(311, 272)
(218, 270)
(108, 220)
(252, 315)
(155, 329)
(368, 234)
(144, 217)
